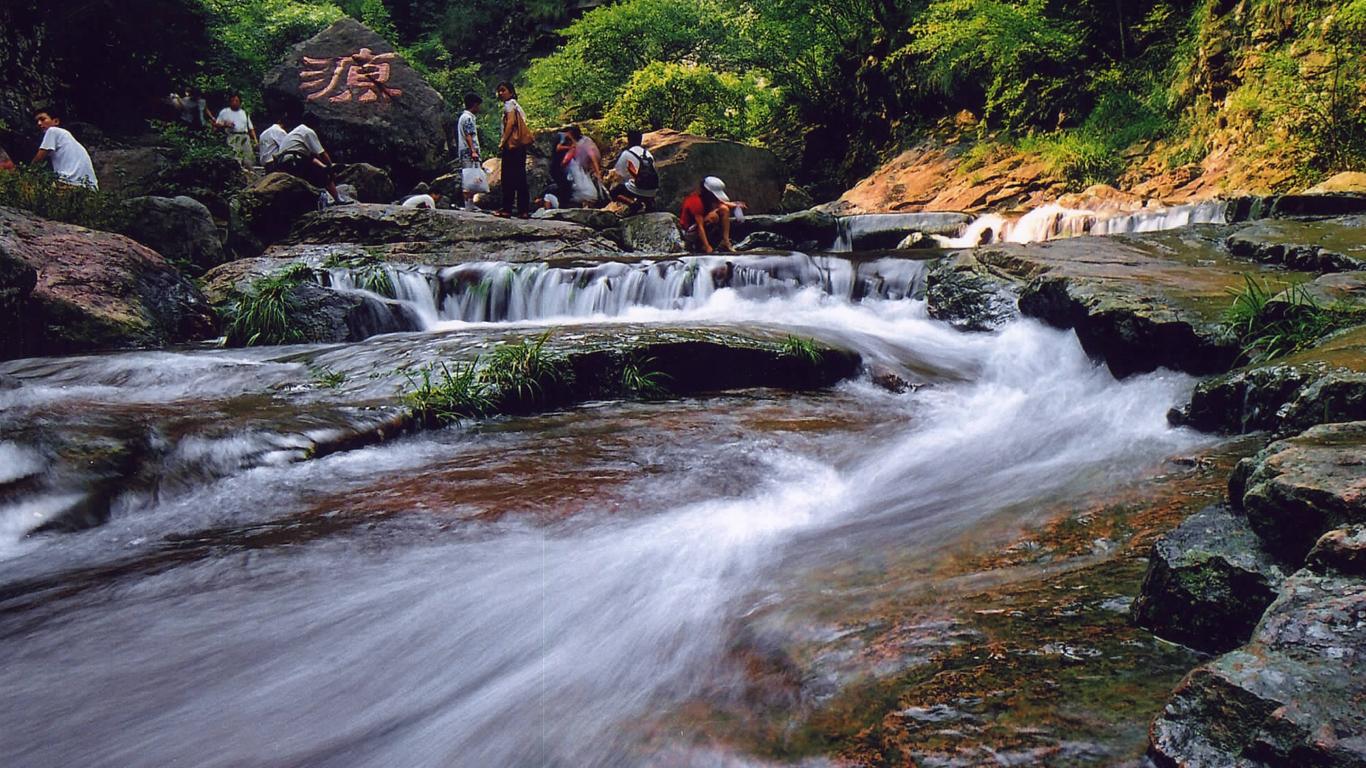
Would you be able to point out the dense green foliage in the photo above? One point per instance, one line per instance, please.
(34, 188)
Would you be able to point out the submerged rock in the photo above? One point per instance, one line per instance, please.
(70, 289)
(1291, 697)
(1208, 582)
(1297, 489)
(444, 237)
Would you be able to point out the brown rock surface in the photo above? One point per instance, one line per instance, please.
(752, 174)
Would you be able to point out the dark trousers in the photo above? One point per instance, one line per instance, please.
(515, 189)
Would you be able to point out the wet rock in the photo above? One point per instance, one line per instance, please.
(1138, 302)
(1291, 697)
(372, 183)
(130, 172)
(1341, 292)
(765, 241)
(90, 290)
(916, 241)
(1208, 582)
(1340, 204)
(752, 174)
(809, 226)
(1324, 383)
(181, 229)
(965, 293)
(795, 199)
(890, 380)
(1334, 245)
(444, 237)
(270, 207)
(593, 218)
(653, 233)
(1341, 551)
(322, 315)
(400, 126)
(1297, 489)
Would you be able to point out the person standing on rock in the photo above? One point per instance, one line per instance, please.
(271, 139)
(512, 149)
(302, 155)
(69, 159)
(467, 144)
(236, 123)
(706, 216)
(638, 181)
(194, 111)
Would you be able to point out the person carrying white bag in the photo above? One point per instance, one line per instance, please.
(473, 178)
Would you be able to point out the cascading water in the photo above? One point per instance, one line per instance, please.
(1053, 222)
(545, 591)
(502, 292)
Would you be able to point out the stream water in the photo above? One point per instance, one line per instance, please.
(539, 591)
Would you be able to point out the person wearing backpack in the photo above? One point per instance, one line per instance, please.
(639, 179)
(512, 149)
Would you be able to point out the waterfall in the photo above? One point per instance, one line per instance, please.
(505, 292)
(1054, 222)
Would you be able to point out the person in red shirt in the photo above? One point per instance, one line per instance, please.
(706, 216)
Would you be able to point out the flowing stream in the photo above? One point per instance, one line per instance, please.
(540, 591)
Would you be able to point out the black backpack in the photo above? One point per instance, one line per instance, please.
(647, 177)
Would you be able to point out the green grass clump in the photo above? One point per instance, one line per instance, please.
(639, 378)
(1265, 329)
(368, 271)
(516, 377)
(266, 312)
(801, 349)
(327, 378)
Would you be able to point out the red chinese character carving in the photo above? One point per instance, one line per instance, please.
(361, 76)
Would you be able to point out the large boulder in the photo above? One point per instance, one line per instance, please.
(1292, 697)
(132, 171)
(961, 291)
(1334, 245)
(653, 233)
(268, 209)
(179, 228)
(1297, 489)
(444, 237)
(367, 104)
(372, 184)
(90, 290)
(1208, 582)
(752, 174)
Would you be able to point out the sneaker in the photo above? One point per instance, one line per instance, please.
(324, 200)
(345, 201)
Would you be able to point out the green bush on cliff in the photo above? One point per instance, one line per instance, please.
(694, 98)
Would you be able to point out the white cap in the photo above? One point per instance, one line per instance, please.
(716, 187)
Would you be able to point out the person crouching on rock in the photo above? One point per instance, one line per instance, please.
(638, 181)
(429, 200)
(302, 155)
(706, 214)
(271, 139)
(69, 159)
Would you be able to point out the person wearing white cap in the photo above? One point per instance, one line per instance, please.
(706, 216)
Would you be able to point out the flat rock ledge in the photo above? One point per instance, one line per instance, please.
(1208, 582)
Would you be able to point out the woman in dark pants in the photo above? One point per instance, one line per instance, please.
(515, 189)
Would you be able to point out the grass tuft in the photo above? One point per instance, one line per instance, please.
(266, 312)
(1267, 328)
(802, 349)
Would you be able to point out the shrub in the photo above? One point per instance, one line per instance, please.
(36, 190)
(522, 376)
(1265, 329)
(693, 98)
(445, 395)
(253, 36)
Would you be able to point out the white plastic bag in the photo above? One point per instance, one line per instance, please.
(474, 180)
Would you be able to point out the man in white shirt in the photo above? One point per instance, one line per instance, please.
(467, 142)
(69, 159)
(271, 139)
(236, 123)
(638, 180)
(302, 155)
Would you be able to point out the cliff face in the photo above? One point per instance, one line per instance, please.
(1263, 97)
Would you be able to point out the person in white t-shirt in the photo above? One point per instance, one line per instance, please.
(302, 155)
(467, 141)
(69, 159)
(236, 123)
(271, 139)
(637, 180)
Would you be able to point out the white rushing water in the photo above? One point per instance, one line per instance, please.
(428, 636)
